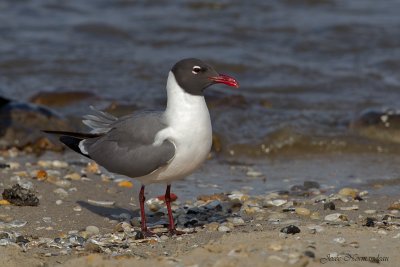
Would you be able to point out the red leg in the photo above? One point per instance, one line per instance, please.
(146, 232)
(171, 226)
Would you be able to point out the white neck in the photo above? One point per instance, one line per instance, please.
(183, 106)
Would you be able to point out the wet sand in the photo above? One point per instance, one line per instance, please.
(252, 221)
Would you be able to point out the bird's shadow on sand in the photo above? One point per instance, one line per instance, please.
(108, 212)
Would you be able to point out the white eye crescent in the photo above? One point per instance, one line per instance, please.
(196, 69)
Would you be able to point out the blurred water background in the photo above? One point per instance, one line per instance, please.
(319, 78)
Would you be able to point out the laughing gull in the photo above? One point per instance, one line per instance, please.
(155, 147)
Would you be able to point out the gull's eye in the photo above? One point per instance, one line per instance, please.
(196, 69)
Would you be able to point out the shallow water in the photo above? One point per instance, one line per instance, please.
(307, 68)
(377, 175)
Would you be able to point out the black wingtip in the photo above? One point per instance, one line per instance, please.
(72, 143)
(73, 134)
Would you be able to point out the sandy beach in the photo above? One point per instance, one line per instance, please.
(86, 217)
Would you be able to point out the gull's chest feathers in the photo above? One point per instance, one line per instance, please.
(189, 128)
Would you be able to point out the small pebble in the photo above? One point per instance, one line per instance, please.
(354, 207)
(339, 240)
(336, 217)
(329, 206)
(126, 184)
(44, 163)
(73, 176)
(212, 226)
(370, 222)
(139, 235)
(303, 211)
(394, 206)
(316, 228)
(382, 232)
(62, 183)
(92, 248)
(91, 229)
(275, 202)
(223, 228)
(370, 211)
(93, 167)
(101, 202)
(252, 173)
(59, 164)
(61, 192)
(291, 229)
(309, 254)
(59, 202)
(4, 202)
(348, 192)
(314, 215)
(238, 221)
(41, 175)
(354, 244)
(164, 237)
(154, 204)
(16, 223)
(13, 165)
(237, 197)
(122, 227)
(275, 247)
(46, 219)
(77, 208)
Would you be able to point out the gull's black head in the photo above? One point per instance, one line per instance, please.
(194, 75)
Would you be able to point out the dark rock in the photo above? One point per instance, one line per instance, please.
(370, 222)
(191, 223)
(380, 125)
(282, 192)
(77, 240)
(194, 210)
(329, 206)
(297, 188)
(21, 240)
(20, 196)
(309, 254)
(21, 125)
(291, 229)
(214, 205)
(58, 240)
(139, 235)
(4, 235)
(358, 198)
(3, 166)
(290, 209)
(92, 248)
(60, 99)
(311, 184)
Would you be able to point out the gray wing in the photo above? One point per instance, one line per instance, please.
(127, 147)
(99, 121)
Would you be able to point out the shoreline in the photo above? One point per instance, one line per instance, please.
(89, 218)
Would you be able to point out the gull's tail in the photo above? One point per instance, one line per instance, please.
(74, 141)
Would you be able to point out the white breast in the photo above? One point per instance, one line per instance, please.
(189, 129)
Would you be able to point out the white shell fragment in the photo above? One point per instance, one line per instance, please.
(101, 202)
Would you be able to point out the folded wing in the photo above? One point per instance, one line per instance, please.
(124, 145)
